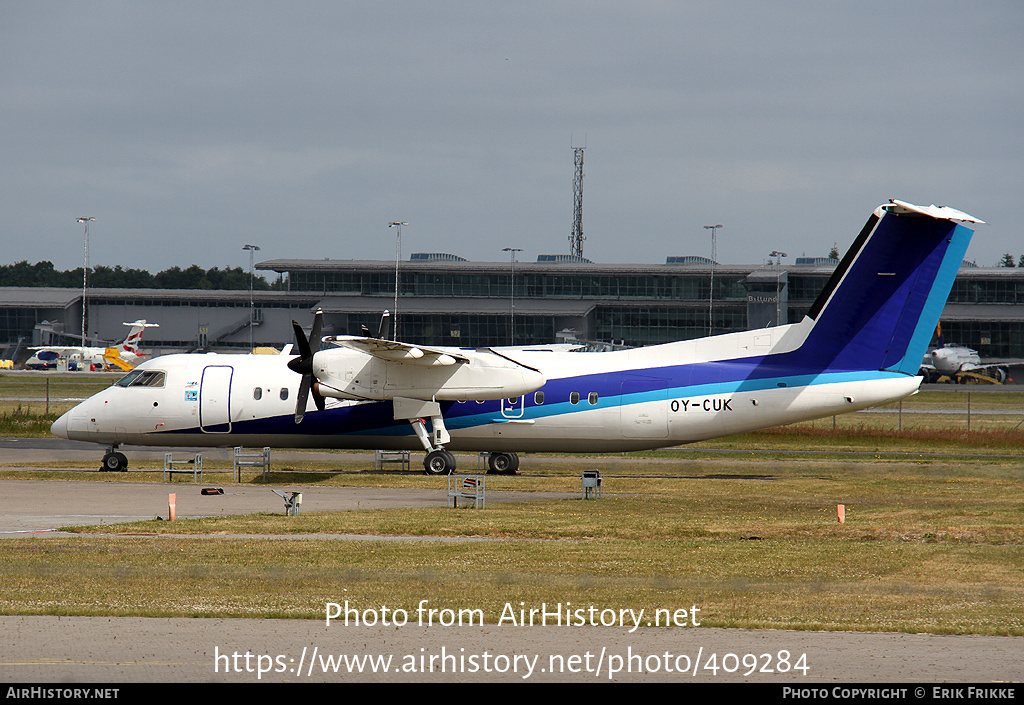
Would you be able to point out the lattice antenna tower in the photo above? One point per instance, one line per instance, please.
(577, 238)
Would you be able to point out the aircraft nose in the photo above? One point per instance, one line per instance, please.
(59, 427)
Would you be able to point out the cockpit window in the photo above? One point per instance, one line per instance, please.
(142, 378)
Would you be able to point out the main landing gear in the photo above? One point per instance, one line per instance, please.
(440, 461)
(416, 411)
(114, 461)
(502, 464)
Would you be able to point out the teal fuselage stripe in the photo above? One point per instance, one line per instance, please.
(488, 415)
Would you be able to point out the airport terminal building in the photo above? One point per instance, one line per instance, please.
(446, 300)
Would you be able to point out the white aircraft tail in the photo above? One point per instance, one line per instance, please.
(134, 337)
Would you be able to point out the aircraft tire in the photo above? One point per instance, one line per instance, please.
(451, 462)
(439, 462)
(114, 462)
(503, 464)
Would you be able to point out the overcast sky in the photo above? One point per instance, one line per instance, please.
(188, 129)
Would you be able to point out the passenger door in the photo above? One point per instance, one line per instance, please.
(215, 399)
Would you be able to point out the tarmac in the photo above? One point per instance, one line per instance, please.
(155, 650)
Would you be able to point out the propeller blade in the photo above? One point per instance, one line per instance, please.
(314, 334)
(315, 340)
(300, 399)
(385, 324)
(303, 365)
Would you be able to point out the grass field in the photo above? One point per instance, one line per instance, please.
(744, 528)
(926, 547)
(30, 402)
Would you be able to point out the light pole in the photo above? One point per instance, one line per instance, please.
(398, 256)
(714, 254)
(85, 270)
(253, 249)
(512, 311)
(778, 272)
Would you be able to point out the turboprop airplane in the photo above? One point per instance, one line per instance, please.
(121, 357)
(860, 345)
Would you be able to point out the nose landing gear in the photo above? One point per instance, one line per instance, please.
(114, 461)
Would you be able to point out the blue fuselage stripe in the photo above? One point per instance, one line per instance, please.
(651, 384)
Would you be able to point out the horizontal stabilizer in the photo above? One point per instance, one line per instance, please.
(943, 212)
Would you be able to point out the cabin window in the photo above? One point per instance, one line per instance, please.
(513, 401)
(142, 378)
(257, 393)
(574, 398)
(538, 398)
(592, 398)
(284, 393)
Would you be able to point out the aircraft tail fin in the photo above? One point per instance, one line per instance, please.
(883, 301)
(134, 337)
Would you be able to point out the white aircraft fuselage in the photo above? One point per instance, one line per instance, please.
(613, 401)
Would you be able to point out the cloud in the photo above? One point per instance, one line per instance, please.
(190, 128)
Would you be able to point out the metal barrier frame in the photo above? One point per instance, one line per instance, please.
(196, 463)
(391, 456)
(259, 459)
(467, 487)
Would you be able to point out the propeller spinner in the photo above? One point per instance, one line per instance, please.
(303, 365)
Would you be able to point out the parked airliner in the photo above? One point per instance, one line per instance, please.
(961, 364)
(860, 345)
(121, 357)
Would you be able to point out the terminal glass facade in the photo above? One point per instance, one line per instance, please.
(644, 305)
(556, 285)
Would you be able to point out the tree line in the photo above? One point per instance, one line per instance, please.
(102, 277)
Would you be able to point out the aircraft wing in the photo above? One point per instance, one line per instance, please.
(395, 351)
(403, 370)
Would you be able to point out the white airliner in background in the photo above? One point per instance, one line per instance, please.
(121, 357)
(961, 364)
(860, 345)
